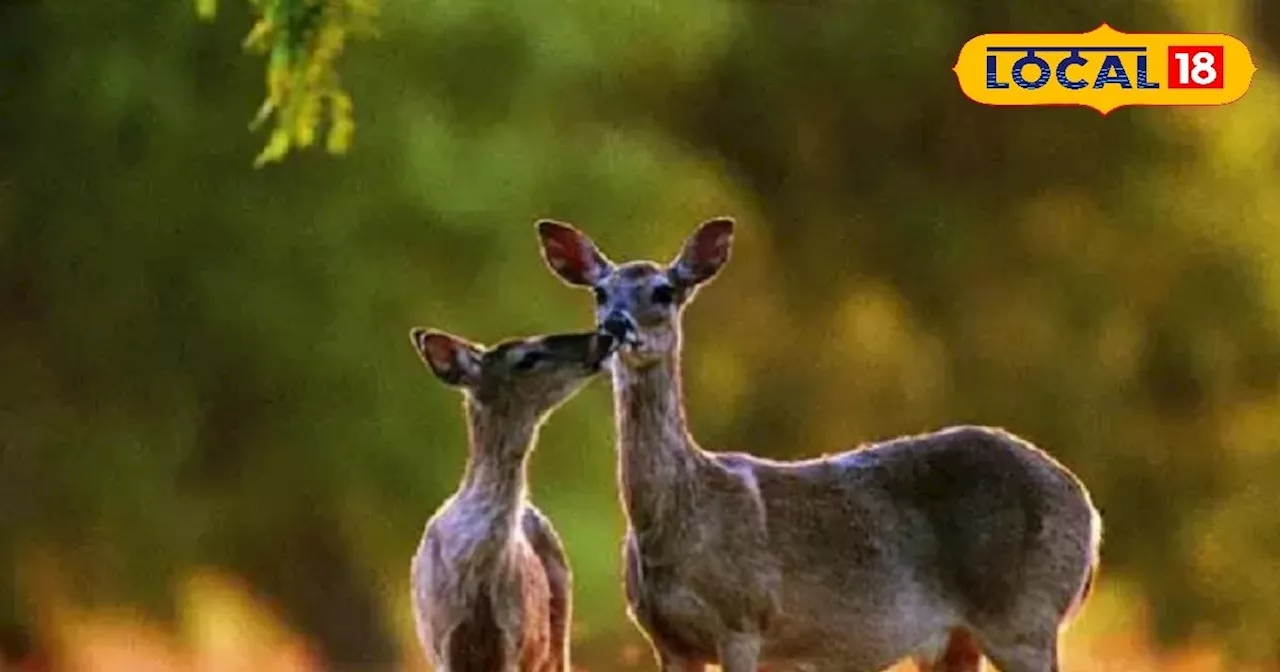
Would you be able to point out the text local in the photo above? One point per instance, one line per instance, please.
(1112, 71)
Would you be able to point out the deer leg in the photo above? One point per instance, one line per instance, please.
(740, 652)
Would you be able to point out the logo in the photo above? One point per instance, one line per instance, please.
(1104, 69)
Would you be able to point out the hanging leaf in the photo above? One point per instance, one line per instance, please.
(303, 40)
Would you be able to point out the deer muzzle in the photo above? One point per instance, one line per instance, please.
(621, 327)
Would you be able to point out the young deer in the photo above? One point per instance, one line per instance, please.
(940, 548)
(491, 586)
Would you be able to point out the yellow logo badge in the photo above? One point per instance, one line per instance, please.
(1104, 69)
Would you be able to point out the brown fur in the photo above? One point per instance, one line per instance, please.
(935, 547)
(492, 588)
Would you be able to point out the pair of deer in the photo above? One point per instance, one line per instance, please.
(941, 548)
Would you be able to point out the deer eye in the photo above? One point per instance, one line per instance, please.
(529, 359)
(601, 296)
(663, 295)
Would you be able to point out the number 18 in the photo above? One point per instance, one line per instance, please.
(1195, 67)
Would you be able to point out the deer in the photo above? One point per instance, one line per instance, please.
(940, 548)
(491, 585)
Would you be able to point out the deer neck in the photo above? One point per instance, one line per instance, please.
(494, 486)
(657, 457)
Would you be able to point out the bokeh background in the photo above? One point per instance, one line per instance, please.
(218, 449)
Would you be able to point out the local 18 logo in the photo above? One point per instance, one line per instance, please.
(1104, 69)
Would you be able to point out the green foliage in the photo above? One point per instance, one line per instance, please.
(302, 41)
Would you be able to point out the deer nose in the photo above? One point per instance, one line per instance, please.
(620, 326)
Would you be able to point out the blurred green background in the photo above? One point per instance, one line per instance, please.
(203, 364)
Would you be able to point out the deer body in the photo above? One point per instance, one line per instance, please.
(491, 580)
(491, 584)
(940, 547)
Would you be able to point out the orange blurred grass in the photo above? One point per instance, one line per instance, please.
(223, 627)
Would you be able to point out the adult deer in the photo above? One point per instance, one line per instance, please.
(940, 547)
(491, 585)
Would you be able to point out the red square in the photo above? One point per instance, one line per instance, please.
(1196, 67)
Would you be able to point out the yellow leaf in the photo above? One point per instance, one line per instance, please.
(304, 132)
(257, 38)
(341, 123)
(338, 140)
(275, 150)
(264, 112)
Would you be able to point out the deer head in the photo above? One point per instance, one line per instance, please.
(521, 378)
(639, 303)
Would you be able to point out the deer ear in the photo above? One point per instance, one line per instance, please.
(453, 360)
(570, 254)
(705, 252)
